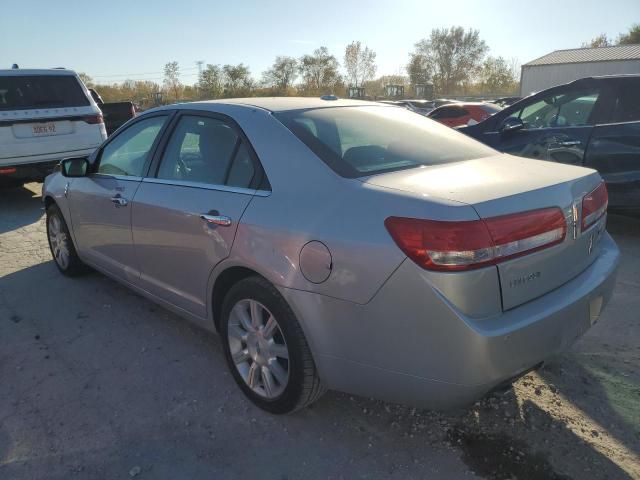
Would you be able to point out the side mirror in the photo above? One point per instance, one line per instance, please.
(74, 167)
(511, 124)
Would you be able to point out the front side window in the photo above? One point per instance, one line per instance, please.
(560, 110)
(209, 151)
(127, 154)
(359, 141)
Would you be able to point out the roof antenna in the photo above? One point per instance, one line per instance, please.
(15, 66)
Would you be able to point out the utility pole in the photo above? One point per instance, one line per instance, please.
(199, 63)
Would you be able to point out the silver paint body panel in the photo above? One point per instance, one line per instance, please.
(379, 325)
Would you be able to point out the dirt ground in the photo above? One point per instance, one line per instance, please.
(99, 383)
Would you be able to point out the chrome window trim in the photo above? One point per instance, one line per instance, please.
(134, 178)
(207, 186)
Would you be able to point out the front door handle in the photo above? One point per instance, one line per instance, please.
(215, 219)
(119, 201)
(570, 143)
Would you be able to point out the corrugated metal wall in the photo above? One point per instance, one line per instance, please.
(538, 77)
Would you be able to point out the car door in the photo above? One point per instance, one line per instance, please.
(614, 148)
(557, 126)
(100, 202)
(187, 210)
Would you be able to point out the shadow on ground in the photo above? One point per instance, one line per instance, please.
(19, 207)
(103, 381)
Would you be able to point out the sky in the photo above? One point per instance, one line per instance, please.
(116, 40)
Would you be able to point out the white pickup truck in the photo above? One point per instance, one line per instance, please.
(45, 116)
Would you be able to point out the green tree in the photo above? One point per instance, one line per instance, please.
(360, 63)
(600, 41)
(319, 72)
(631, 37)
(418, 69)
(211, 82)
(497, 76)
(237, 80)
(454, 56)
(281, 75)
(172, 79)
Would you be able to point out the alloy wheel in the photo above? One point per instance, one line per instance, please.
(258, 348)
(59, 242)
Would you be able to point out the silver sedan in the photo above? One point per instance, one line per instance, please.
(341, 244)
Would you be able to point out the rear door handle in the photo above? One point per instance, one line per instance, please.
(221, 220)
(119, 201)
(570, 143)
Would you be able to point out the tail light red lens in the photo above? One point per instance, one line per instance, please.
(594, 205)
(7, 170)
(454, 246)
(93, 119)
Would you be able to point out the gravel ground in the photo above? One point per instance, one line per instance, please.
(99, 383)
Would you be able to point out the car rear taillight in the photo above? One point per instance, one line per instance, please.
(465, 245)
(7, 170)
(594, 205)
(93, 119)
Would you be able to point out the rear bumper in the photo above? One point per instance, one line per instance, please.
(36, 167)
(410, 345)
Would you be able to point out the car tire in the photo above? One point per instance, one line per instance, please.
(61, 245)
(255, 348)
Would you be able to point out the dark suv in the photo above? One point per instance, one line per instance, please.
(593, 122)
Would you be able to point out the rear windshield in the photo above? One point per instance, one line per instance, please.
(40, 91)
(360, 141)
(490, 108)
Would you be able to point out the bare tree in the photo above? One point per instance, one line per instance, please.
(282, 74)
(454, 56)
(86, 79)
(360, 63)
(600, 41)
(319, 72)
(172, 79)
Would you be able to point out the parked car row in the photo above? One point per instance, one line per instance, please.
(47, 115)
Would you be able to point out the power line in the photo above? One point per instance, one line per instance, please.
(126, 75)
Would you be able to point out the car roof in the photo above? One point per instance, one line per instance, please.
(462, 104)
(281, 104)
(16, 72)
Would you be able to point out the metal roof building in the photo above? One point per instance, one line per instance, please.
(564, 66)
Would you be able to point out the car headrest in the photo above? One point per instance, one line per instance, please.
(365, 155)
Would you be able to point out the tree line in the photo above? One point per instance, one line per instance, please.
(456, 61)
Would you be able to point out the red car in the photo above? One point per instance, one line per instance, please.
(468, 113)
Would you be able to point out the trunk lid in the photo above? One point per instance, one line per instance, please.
(502, 185)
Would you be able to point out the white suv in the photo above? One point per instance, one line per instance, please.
(45, 116)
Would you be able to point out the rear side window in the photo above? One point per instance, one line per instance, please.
(360, 141)
(627, 107)
(128, 152)
(41, 91)
(209, 151)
